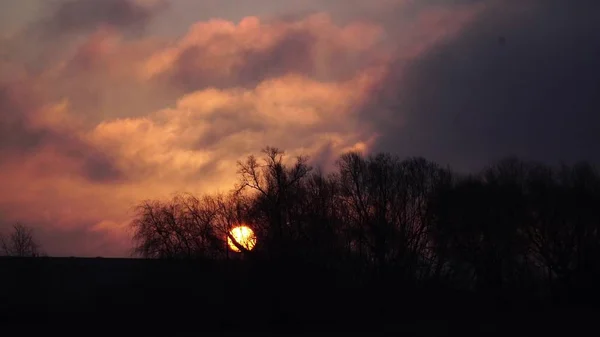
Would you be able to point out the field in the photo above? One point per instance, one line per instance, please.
(171, 298)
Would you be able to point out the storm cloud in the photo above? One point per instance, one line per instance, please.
(522, 79)
(81, 16)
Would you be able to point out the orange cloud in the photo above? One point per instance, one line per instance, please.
(118, 119)
(220, 53)
(213, 128)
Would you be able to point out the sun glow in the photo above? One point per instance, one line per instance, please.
(244, 236)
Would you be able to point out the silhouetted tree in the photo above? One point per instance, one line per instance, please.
(320, 218)
(188, 227)
(508, 220)
(275, 188)
(565, 221)
(387, 204)
(20, 242)
(512, 226)
(181, 227)
(234, 209)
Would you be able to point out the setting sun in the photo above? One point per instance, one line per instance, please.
(244, 236)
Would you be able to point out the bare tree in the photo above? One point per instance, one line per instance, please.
(182, 227)
(510, 226)
(386, 202)
(187, 226)
(276, 189)
(20, 242)
(564, 231)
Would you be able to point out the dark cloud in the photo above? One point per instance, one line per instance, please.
(190, 73)
(96, 166)
(522, 79)
(18, 138)
(50, 37)
(292, 53)
(81, 16)
(298, 51)
(16, 103)
(324, 158)
(225, 125)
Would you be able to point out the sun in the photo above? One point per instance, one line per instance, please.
(244, 236)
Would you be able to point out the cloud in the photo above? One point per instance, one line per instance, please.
(14, 105)
(83, 16)
(220, 54)
(520, 79)
(63, 23)
(213, 128)
(97, 119)
(28, 127)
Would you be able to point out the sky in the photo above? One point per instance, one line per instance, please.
(105, 103)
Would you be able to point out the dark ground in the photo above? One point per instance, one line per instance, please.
(173, 298)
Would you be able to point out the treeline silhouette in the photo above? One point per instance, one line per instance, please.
(380, 243)
(516, 230)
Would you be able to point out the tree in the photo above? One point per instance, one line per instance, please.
(386, 203)
(182, 227)
(511, 226)
(319, 211)
(187, 226)
(20, 242)
(564, 230)
(275, 189)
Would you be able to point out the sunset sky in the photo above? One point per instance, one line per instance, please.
(104, 103)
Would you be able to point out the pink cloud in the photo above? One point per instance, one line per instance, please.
(118, 119)
(221, 53)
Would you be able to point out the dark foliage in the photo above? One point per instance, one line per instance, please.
(381, 244)
(515, 228)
